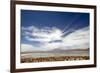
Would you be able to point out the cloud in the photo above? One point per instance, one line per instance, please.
(38, 39)
(51, 46)
(52, 38)
(30, 48)
(45, 34)
(78, 39)
(26, 47)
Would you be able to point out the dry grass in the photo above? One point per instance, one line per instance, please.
(48, 59)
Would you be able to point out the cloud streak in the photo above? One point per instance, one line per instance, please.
(52, 38)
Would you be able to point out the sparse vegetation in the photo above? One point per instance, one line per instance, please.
(48, 59)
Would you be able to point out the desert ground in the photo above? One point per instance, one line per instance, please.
(48, 59)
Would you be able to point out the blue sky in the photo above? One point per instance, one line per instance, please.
(51, 19)
(44, 27)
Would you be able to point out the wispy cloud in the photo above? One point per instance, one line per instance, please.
(26, 48)
(78, 39)
(52, 38)
(45, 34)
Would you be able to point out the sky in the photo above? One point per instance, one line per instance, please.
(49, 30)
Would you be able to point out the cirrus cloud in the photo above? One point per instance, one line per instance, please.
(52, 38)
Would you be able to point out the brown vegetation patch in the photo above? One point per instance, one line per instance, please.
(47, 59)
